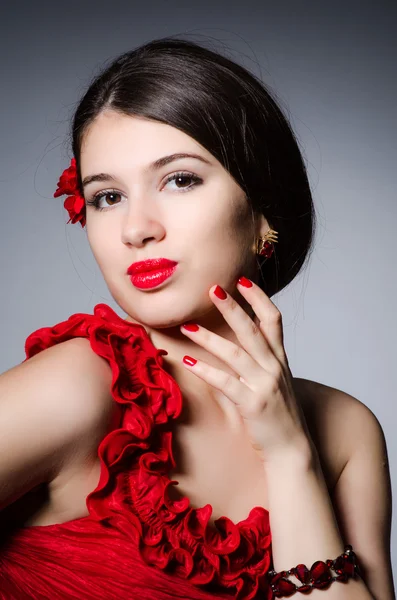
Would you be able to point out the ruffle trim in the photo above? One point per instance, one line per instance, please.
(136, 457)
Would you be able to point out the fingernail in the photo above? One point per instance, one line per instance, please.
(245, 282)
(190, 326)
(188, 360)
(220, 293)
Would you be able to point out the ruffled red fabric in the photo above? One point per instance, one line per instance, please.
(137, 542)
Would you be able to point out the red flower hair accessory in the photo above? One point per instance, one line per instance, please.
(74, 203)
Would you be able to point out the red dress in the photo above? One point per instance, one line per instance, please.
(137, 543)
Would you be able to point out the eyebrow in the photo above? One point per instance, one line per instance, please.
(154, 166)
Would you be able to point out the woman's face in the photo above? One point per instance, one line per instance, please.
(202, 221)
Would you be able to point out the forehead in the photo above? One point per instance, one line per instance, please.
(116, 136)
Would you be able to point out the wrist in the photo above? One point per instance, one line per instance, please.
(303, 456)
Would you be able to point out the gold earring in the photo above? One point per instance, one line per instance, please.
(264, 245)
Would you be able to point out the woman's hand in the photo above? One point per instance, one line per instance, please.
(262, 389)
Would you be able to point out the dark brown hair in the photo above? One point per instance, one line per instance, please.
(232, 114)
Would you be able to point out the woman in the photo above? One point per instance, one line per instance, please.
(172, 454)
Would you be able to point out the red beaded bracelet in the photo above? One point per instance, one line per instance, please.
(319, 576)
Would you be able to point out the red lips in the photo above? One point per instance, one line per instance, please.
(153, 264)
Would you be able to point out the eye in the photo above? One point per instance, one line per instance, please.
(112, 195)
(94, 201)
(183, 176)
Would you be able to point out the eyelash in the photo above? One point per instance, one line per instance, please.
(94, 201)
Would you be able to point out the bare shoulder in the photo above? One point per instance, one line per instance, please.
(97, 365)
(338, 423)
(52, 406)
(73, 350)
(90, 400)
(84, 376)
(82, 407)
(354, 458)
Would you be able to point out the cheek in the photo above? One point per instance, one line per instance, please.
(101, 245)
(225, 230)
(222, 247)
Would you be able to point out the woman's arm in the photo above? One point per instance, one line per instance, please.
(50, 406)
(303, 523)
(305, 527)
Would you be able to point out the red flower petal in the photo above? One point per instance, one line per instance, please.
(74, 203)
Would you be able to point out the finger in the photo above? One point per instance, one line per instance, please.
(248, 333)
(226, 383)
(232, 354)
(269, 316)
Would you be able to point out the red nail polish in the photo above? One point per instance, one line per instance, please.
(220, 293)
(188, 360)
(245, 282)
(190, 326)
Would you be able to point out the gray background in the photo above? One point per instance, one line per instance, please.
(332, 65)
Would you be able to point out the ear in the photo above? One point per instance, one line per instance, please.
(263, 226)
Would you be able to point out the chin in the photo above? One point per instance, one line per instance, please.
(166, 307)
(165, 317)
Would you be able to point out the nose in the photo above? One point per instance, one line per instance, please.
(140, 225)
